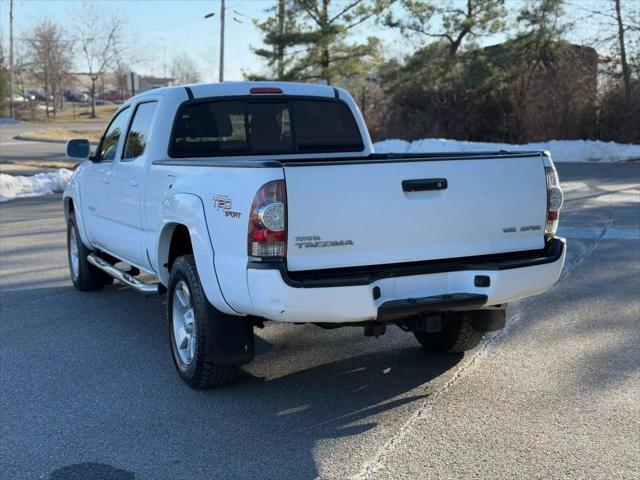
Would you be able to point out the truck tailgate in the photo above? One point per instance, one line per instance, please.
(382, 212)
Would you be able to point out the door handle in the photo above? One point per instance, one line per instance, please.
(133, 183)
(424, 184)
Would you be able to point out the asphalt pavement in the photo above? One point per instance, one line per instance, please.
(88, 389)
(13, 150)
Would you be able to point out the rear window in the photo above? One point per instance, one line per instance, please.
(265, 126)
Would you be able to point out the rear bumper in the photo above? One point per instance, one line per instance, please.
(369, 294)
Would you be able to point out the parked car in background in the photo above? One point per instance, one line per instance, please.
(112, 96)
(75, 96)
(39, 95)
(28, 96)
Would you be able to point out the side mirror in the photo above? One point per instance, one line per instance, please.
(78, 149)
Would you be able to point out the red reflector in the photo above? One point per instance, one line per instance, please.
(257, 90)
(552, 215)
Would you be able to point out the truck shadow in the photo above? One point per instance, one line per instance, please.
(93, 374)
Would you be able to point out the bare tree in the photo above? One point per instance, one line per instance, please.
(619, 22)
(184, 69)
(98, 35)
(626, 74)
(50, 53)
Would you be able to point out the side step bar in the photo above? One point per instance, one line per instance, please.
(133, 282)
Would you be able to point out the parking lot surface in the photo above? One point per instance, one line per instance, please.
(88, 388)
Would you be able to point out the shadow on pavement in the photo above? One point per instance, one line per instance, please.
(90, 471)
(88, 377)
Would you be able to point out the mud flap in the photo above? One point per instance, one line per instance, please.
(489, 320)
(232, 339)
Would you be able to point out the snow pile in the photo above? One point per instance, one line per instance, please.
(41, 184)
(561, 150)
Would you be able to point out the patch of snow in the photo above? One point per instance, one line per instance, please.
(16, 186)
(8, 121)
(561, 150)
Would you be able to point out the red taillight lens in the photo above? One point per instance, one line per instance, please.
(268, 222)
(263, 90)
(555, 199)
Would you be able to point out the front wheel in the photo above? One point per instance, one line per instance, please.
(84, 276)
(457, 335)
(207, 345)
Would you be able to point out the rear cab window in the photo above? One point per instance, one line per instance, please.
(274, 125)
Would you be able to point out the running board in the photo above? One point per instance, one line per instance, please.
(133, 282)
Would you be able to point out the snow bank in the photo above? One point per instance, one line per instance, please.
(561, 150)
(12, 186)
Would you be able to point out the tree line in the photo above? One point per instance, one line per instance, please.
(533, 85)
(46, 53)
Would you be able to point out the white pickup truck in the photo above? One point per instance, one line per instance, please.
(255, 201)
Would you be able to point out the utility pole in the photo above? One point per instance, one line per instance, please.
(221, 73)
(164, 61)
(280, 45)
(11, 112)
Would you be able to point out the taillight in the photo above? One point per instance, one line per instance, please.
(268, 222)
(555, 198)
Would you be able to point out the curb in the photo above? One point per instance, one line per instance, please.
(26, 138)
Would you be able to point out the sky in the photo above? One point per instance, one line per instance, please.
(157, 31)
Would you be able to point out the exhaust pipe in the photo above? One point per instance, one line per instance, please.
(133, 282)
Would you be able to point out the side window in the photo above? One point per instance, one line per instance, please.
(109, 143)
(139, 131)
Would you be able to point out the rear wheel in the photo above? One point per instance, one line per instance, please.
(195, 327)
(457, 335)
(84, 276)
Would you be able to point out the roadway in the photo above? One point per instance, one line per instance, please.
(88, 388)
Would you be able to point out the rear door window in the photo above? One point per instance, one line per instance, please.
(265, 126)
(139, 131)
(111, 138)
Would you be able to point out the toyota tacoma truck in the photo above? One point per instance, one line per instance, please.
(252, 201)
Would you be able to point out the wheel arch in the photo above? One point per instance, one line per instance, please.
(174, 240)
(71, 203)
(184, 230)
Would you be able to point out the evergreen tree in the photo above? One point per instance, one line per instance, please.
(458, 23)
(280, 32)
(4, 79)
(310, 37)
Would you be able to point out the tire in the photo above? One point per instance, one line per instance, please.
(197, 358)
(457, 335)
(84, 276)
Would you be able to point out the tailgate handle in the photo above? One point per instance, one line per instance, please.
(424, 184)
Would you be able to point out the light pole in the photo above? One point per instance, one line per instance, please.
(11, 99)
(164, 61)
(222, 13)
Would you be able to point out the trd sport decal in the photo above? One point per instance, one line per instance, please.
(222, 203)
(314, 241)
